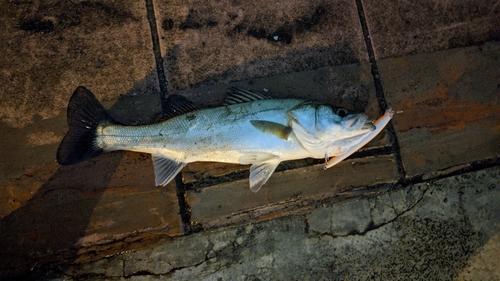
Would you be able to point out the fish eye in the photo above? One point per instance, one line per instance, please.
(341, 112)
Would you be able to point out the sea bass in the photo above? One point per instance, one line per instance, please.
(249, 129)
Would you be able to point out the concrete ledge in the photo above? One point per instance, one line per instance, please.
(423, 232)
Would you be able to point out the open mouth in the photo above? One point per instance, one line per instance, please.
(356, 122)
(377, 126)
(368, 126)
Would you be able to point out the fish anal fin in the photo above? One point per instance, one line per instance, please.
(261, 172)
(166, 169)
(237, 95)
(272, 128)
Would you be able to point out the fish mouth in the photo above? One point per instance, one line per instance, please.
(368, 126)
(357, 122)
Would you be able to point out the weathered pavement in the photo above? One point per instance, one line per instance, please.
(418, 202)
(442, 230)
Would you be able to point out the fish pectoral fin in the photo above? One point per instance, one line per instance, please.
(272, 128)
(261, 172)
(166, 169)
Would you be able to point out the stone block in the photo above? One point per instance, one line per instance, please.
(91, 203)
(209, 43)
(448, 104)
(402, 28)
(50, 49)
(341, 219)
(287, 191)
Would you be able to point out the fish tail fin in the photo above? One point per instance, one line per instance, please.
(84, 114)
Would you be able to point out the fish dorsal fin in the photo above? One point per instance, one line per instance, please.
(261, 172)
(178, 105)
(237, 95)
(272, 128)
(165, 168)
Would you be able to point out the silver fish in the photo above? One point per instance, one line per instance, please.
(249, 128)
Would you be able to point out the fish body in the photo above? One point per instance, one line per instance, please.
(248, 129)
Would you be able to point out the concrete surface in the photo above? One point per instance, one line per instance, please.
(419, 202)
(443, 230)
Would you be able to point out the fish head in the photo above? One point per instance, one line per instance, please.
(333, 123)
(326, 130)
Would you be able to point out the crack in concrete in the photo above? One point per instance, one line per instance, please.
(372, 225)
(402, 213)
(391, 205)
(174, 269)
(461, 207)
(306, 223)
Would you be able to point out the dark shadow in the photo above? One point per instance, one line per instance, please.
(294, 61)
(49, 227)
(47, 230)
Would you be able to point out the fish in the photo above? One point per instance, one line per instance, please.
(249, 128)
(379, 126)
